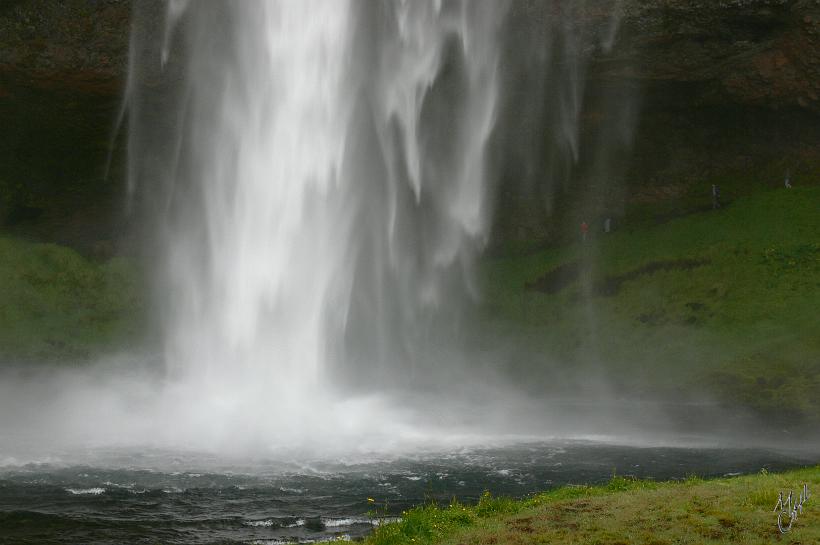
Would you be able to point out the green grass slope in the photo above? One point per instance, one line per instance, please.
(725, 303)
(56, 305)
(624, 512)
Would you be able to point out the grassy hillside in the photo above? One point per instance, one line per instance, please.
(57, 305)
(736, 510)
(721, 302)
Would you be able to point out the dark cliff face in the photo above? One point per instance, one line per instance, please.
(759, 52)
(78, 45)
(62, 67)
(683, 88)
(676, 95)
(752, 52)
(728, 89)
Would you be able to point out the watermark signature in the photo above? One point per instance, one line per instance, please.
(789, 509)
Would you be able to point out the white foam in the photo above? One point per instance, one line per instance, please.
(326, 539)
(352, 521)
(96, 491)
(259, 523)
(267, 523)
(335, 523)
(128, 486)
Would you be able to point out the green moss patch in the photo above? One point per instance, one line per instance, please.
(56, 305)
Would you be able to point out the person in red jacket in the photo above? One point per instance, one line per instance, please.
(584, 230)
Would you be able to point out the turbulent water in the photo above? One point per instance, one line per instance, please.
(109, 496)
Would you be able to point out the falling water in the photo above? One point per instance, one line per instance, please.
(320, 199)
(254, 264)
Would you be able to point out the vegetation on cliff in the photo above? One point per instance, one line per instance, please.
(56, 305)
(720, 303)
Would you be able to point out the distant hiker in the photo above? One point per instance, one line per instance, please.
(715, 197)
(584, 231)
(607, 225)
(788, 182)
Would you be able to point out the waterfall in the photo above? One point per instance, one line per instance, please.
(318, 195)
(317, 179)
(253, 264)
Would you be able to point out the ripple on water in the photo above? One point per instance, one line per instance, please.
(276, 508)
